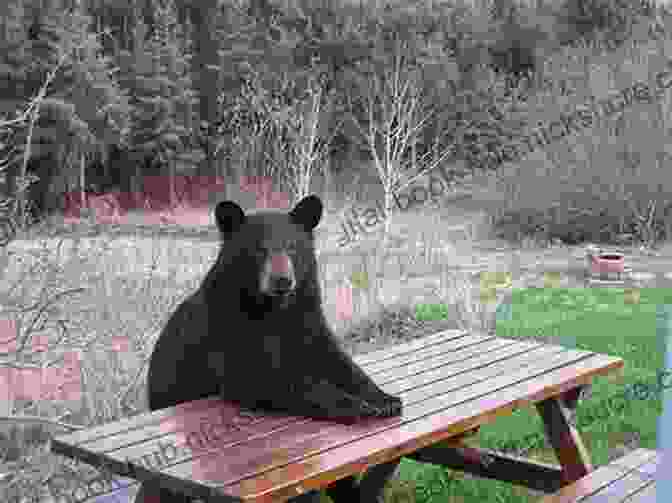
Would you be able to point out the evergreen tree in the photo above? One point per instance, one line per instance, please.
(163, 95)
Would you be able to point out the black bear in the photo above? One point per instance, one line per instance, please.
(259, 307)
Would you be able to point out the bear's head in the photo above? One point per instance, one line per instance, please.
(268, 256)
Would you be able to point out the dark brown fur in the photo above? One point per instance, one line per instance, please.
(255, 333)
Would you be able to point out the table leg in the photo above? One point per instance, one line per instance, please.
(564, 437)
(374, 480)
(369, 489)
(572, 396)
(154, 493)
(343, 490)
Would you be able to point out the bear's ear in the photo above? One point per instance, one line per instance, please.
(307, 212)
(229, 217)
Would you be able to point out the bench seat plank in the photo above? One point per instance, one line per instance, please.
(630, 478)
(458, 384)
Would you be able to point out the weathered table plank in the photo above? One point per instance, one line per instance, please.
(450, 383)
(410, 436)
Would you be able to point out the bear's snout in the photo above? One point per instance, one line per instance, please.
(281, 285)
(278, 277)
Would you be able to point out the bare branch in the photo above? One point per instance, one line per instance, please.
(431, 167)
(31, 113)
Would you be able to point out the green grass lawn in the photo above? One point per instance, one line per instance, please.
(606, 320)
(430, 312)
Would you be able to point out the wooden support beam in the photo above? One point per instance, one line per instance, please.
(490, 464)
(565, 439)
(572, 396)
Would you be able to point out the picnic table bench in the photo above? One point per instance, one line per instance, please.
(450, 382)
(629, 478)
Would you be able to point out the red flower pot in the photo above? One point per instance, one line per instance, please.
(608, 264)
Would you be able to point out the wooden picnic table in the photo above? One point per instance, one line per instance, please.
(451, 383)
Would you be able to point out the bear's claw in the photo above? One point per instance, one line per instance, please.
(348, 405)
(321, 399)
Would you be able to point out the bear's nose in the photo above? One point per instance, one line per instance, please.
(281, 285)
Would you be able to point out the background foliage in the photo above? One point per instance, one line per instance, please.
(220, 87)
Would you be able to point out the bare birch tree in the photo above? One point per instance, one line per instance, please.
(15, 208)
(305, 131)
(394, 108)
(304, 134)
